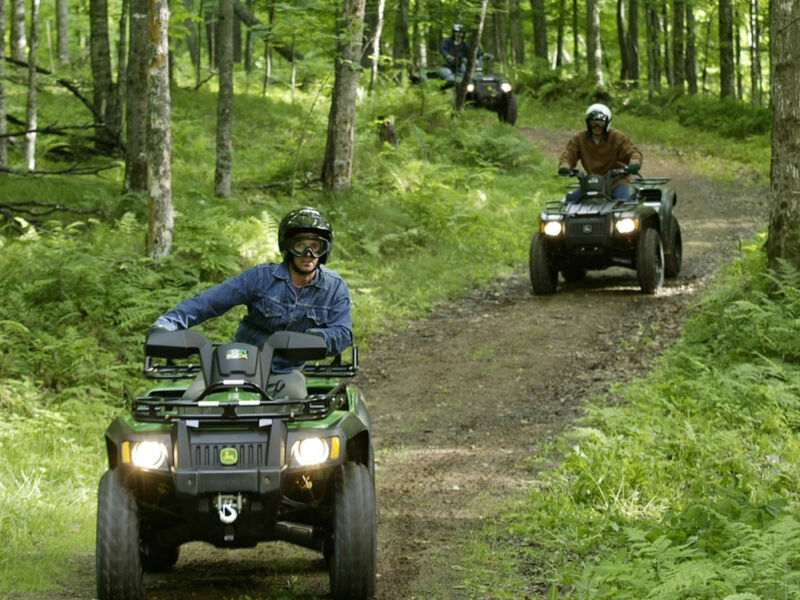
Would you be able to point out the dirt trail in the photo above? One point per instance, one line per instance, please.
(461, 399)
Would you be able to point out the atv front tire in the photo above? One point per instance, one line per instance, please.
(650, 261)
(507, 112)
(673, 255)
(119, 570)
(544, 278)
(353, 561)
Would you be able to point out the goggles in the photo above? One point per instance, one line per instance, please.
(309, 244)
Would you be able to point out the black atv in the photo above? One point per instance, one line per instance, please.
(596, 232)
(492, 91)
(227, 460)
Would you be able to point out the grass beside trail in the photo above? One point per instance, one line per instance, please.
(447, 210)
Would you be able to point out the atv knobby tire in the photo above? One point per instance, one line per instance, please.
(673, 253)
(650, 261)
(354, 545)
(544, 278)
(119, 570)
(507, 112)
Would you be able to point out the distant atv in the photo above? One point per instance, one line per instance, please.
(596, 232)
(226, 460)
(490, 91)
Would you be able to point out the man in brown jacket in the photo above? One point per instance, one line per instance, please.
(600, 149)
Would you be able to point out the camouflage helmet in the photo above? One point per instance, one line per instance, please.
(304, 220)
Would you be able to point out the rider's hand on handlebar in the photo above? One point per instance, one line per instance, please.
(564, 171)
(633, 167)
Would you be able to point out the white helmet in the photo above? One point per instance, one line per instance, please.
(598, 112)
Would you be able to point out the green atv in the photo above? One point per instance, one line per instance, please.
(596, 231)
(226, 460)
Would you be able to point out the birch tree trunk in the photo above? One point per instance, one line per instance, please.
(222, 172)
(62, 31)
(32, 103)
(159, 142)
(376, 44)
(594, 53)
(337, 168)
(19, 42)
(727, 81)
(783, 242)
(3, 101)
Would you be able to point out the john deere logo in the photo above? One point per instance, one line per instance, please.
(236, 354)
(587, 229)
(228, 456)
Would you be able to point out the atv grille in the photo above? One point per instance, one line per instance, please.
(586, 227)
(250, 454)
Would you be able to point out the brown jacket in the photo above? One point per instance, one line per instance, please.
(614, 150)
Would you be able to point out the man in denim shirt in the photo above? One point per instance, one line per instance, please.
(298, 294)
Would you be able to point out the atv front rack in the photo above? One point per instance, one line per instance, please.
(160, 408)
(169, 369)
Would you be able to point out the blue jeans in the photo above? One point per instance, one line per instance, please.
(620, 192)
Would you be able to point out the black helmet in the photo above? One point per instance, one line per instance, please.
(598, 112)
(458, 28)
(304, 220)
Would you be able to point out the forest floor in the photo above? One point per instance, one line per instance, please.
(462, 399)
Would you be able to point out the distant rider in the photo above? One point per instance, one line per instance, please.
(600, 149)
(455, 51)
(298, 294)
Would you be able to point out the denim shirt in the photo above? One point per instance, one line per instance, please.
(273, 304)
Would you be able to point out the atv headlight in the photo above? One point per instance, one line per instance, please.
(552, 228)
(148, 454)
(626, 225)
(313, 450)
(470, 87)
(505, 86)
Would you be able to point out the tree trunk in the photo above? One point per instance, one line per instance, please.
(192, 43)
(517, 41)
(737, 58)
(594, 53)
(337, 168)
(539, 29)
(783, 242)
(500, 33)
(562, 17)
(653, 49)
(122, 57)
(31, 107)
(135, 180)
(287, 51)
(624, 71)
(726, 73)
(62, 31)
(376, 45)
(678, 61)
(575, 30)
(668, 72)
(401, 46)
(691, 49)
(633, 42)
(755, 54)
(19, 43)
(3, 101)
(222, 172)
(103, 94)
(474, 45)
(159, 142)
